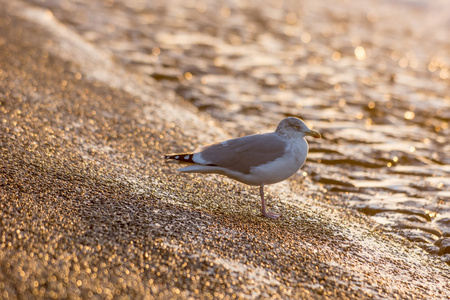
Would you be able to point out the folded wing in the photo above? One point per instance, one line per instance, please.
(243, 153)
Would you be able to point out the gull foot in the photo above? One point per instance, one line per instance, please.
(271, 215)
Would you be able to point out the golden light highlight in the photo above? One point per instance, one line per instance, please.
(409, 115)
(360, 53)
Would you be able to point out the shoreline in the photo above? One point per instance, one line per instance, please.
(89, 209)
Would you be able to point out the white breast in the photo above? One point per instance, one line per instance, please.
(281, 168)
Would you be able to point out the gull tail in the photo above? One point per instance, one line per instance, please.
(182, 158)
(193, 166)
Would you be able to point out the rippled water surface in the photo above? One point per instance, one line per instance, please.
(372, 77)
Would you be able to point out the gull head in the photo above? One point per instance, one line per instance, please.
(292, 127)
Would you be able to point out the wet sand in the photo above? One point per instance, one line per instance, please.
(373, 78)
(89, 208)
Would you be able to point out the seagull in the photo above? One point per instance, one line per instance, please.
(258, 159)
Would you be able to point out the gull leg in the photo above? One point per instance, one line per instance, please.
(263, 205)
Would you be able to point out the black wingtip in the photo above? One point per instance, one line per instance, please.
(184, 157)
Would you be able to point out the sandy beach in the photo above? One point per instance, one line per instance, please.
(93, 94)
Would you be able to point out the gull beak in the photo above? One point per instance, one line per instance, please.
(314, 134)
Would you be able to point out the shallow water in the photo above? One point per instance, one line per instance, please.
(374, 80)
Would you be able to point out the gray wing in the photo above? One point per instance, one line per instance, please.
(243, 153)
